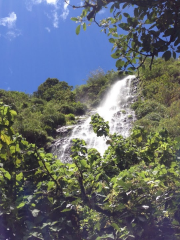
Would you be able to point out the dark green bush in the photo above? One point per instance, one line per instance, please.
(70, 117)
(54, 120)
(148, 125)
(66, 109)
(80, 108)
(153, 116)
(172, 125)
(37, 136)
(38, 101)
(174, 109)
(136, 104)
(149, 106)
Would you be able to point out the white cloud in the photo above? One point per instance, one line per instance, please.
(56, 7)
(9, 21)
(55, 19)
(48, 29)
(10, 35)
(65, 10)
(52, 1)
(30, 3)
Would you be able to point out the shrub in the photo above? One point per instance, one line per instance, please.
(123, 111)
(70, 116)
(149, 106)
(66, 109)
(38, 101)
(136, 104)
(37, 136)
(148, 125)
(53, 120)
(130, 116)
(173, 110)
(153, 116)
(172, 125)
(80, 108)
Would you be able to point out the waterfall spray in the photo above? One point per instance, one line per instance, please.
(115, 108)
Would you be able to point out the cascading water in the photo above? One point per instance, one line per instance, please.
(115, 108)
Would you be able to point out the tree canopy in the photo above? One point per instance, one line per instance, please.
(152, 30)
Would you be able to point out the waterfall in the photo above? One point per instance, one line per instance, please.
(115, 108)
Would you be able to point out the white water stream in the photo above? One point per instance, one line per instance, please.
(115, 108)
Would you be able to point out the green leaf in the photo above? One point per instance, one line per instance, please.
(84, 163)
(7, 175)
(21, 205)
(115, 55)
(166, 55)
(74, 19)
(124, 26)
(115, 226)
(84, 26)
(120, 63)
(19, 176)
(107, 236)
(112, 40)
(37, 235)
(111, 9)
(78, 29)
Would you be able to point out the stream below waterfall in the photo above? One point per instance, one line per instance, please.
(115, 108)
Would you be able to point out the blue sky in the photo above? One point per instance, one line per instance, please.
(38, 41)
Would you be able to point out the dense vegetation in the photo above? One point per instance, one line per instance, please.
(159, 97)
(132, 192)
(55, 104)
(40, 114)
(137, 28)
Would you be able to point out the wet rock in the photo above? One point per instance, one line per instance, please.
(64, 131)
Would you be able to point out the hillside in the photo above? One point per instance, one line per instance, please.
(54, 104)
(131, 192)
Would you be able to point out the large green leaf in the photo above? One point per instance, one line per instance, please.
(78, 29)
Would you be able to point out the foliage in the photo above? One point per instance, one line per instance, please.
(100, 127)
(79, 108)
(70, 118)
(158, 100)
(150, 106)
(132, 192)
(40, 114)
(29, 181)
(152, 29)
(52, 88)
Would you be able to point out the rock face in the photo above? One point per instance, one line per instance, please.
(115, 108)
(62, 147)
